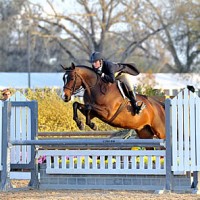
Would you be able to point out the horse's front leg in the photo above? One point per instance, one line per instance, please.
(81, 107)
(88, 117)
(85, 110)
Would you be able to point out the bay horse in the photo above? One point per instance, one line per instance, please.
(104, 101)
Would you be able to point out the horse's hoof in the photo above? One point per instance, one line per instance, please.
(94, 127)
(81, 126)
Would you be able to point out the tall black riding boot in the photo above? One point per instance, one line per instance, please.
(134, 103)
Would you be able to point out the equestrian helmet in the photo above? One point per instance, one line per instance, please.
(95, 56)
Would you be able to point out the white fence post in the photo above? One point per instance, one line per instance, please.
(185, 132)
(184, 128)
(30, 124)
(20, 129)
(20, 120)
(5, 173)
(1, 129)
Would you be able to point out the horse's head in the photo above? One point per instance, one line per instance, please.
(78, 77)
(71, 82)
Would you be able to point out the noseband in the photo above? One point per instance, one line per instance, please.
(72, 89)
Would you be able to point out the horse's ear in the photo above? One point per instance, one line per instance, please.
(63, 67)
(73, 65)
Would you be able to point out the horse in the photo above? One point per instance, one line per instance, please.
(105, 101)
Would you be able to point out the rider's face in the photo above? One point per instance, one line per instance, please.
(97, 64)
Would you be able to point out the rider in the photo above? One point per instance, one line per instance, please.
(107, 71)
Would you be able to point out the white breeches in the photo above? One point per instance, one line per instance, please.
(127, 79)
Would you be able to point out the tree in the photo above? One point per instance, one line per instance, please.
(9, 33)
(14, 31)
(159, 36)
(84, 31)
(176, 40)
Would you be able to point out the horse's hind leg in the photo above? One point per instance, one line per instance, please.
(159, 129)
(146, 133)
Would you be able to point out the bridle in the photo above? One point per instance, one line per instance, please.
(72, 89)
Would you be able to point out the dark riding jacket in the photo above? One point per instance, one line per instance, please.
(109, 69)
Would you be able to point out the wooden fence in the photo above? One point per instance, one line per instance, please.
(184, 128)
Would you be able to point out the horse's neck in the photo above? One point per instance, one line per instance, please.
(89, 79)
(95, 86)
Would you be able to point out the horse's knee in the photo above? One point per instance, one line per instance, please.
(75, 119)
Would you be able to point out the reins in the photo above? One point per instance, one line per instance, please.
(87, 87)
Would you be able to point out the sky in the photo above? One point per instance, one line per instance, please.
(60, 6)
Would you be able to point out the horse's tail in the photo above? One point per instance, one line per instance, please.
(162, 104)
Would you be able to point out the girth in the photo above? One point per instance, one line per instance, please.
(122, 105)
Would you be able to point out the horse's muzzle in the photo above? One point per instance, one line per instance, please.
(66, 98)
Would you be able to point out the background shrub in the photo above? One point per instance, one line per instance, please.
(56, 115)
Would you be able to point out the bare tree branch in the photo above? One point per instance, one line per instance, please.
(132, 47)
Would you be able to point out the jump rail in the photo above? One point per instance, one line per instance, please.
(70, 142)
(94, 142)
(78, 134)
